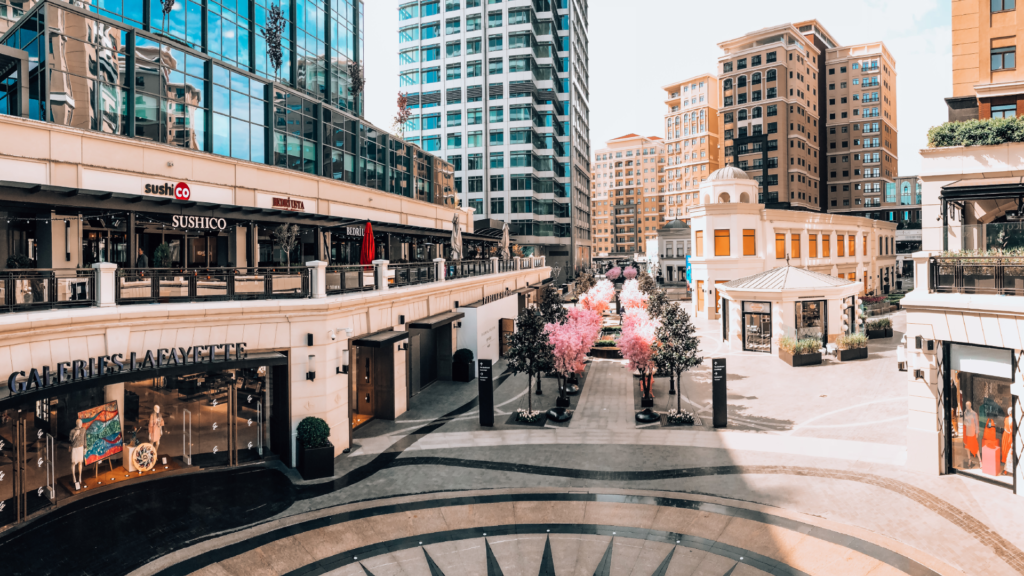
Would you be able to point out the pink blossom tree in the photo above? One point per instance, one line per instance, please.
(631, 296)
(638, 344)
(598, 297)
(571, 341)
(629, 273)
(613, 274)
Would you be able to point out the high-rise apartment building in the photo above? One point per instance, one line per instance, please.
(624, 196)
(861, 140)
(812, 121)
(692, 143)
(501, 91)
(987, 83)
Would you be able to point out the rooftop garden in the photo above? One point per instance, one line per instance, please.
(977, 132)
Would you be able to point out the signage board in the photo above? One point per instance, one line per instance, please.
(288, 204)
(199, 222)
(719, 398)
(688, 270)
(486, 386)
(182, 191)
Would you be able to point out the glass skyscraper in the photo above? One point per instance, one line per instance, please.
(199, 76)
(501, 90)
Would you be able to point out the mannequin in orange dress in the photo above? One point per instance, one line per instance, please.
(970, 434)
(990, 443)
(1007, 444)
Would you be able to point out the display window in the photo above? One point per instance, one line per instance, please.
(982, 420)
(60, 447)
(757, 327)
(811, 321)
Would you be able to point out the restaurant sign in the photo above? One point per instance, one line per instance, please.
(179, 191)
(288, 204)
(80, 370)
(199, 222)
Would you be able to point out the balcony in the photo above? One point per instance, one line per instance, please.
(34, 289)
(998, 275)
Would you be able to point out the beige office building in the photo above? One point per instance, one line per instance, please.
(987, 83)
(624, 194)
(692, 144)
(861, 141)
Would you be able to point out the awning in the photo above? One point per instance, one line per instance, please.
(254, 360)
(436, 321)
(381, 339)
(983, 189)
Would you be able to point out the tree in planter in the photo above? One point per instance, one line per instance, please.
(287, 237)
(638, 344)
(598, 298)
(646, 283)
(680, 347)
(632, 297)
(530, 352)
(549, 302)
(571, 341)
(584, 282)
(313, 432)
(658, 303)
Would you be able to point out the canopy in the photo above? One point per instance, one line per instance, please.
(503, 251)
(456, 238)
(369, 251)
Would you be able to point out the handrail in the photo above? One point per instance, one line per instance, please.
(408, 274)
(23, 289)
(145, 285)
(350, 278)
(1002, 275)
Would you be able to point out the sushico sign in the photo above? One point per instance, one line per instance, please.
(199, 222)
(79, 370)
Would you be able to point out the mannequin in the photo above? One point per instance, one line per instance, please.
(156, 427)
(1007, 445)
(970, 427)
(77, 438)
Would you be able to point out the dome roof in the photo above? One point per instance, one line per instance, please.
(675, 224)
(729, 173)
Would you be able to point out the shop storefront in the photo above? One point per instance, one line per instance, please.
(81, 426)
(811, 320)
(757, 327)
(982, 412)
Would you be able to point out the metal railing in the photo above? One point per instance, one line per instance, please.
(468, 268)
(506, 265)
(45, 289)
(976, 275)
(411, 273)
(136, 286)
(342, 279)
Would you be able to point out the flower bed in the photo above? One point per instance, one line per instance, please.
(803, 352)
(525, 416)
(680, 418)
(852, 347)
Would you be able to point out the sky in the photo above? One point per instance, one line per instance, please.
(638, 46)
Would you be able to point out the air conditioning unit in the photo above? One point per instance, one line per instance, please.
(919, 374)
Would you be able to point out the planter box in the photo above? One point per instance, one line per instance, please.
(873, 334)
(463, 371)
(606, 352)
(800, 359)
(853, 354)
(316, 462)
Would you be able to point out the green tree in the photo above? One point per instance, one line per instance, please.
(658, 303)
(646, 283)
(549, 302)
(287, 236)
(530, 352)
(584, 281)
(680, 347)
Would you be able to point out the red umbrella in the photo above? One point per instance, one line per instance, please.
(369, 251)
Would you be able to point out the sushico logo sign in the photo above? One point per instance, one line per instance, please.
(180, 191)
(199, 222)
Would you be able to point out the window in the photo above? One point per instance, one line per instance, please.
(476, 162)
(1003, 5)
(770, 57)
(812, 246)
(494, 20)
(453, 26)
(780, 246)
(454, 49)
(794, 242)
(721, 243)
(474, 116)
(770, 76)
(474, 69)
(749, 243)
(826, 251)
(494, 43)
(1004, 111)
(473, 46)
(841, 244)
(454, 140)
(477, 204)
(454, 71)
(773, 110)
(495, 66)
(497, 205)
(865, 245)
(1004, 58)
(472, 23)
(700, 243)
(476, 184)
(853, 245)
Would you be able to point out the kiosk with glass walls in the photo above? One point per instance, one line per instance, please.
(757, 327)
(79, 426)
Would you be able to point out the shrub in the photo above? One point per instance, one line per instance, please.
(524, 415)
(880, 324)
(977, 133)
(19, 261)
(463, 356)
(872, 299)
(808, 345)
(680, 417)
(604, 343)
(788, 344)
(611, 329)
(314, 432)
(852, 342)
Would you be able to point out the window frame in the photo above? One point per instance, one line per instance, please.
(722, 243)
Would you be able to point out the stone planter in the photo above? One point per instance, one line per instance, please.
(873, 334)
(463, 371)
(853, 354)
(800, 359)
(316, 462)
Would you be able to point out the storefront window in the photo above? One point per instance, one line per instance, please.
(981, 421)
(757, 327)
(810, 319)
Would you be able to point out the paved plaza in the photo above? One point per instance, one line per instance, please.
(808, 478)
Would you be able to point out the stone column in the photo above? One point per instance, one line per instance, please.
(517, 260)
(317, 279)
(439, 267)
(106, 284)
(494, 265)
(380, 274)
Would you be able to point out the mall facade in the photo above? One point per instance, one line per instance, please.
(182, 236)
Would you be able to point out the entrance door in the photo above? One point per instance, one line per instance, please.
(26, 467)
(506, 327)
(364, 400)
(415, 373)
(700, 295)
(725, 319)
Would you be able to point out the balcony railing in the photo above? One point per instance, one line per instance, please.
(344, 279)
(976, 275)
(468, 268)
(411, 273)
(140, 286)
(44, 289)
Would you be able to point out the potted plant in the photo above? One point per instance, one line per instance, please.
(852, 347)
(316, 453)
(881, 328)
(803, 352)
(463, 366)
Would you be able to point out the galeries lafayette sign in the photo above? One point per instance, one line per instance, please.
(79, 370)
